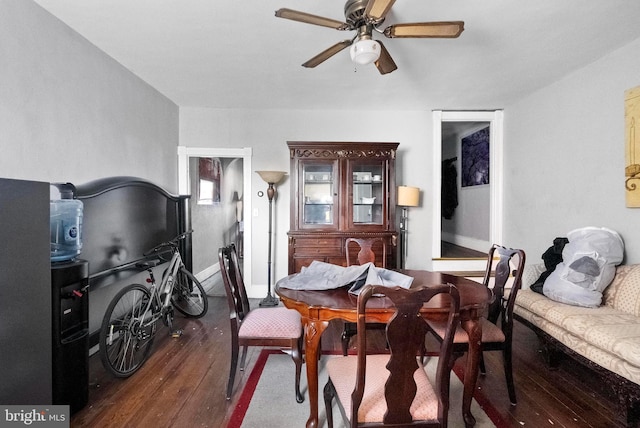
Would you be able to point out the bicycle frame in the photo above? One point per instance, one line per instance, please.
(165, 288)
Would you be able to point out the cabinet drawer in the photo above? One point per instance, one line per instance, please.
(332, 243)
(300, 262)
(318, 251)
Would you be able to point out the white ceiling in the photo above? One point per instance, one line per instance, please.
(237, 54)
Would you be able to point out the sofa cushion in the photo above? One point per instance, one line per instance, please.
(615, 333)
(531, 273)
(624, 292)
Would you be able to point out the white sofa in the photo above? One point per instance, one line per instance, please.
(606, 338)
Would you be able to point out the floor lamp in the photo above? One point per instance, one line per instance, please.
(407, 197)
(271, 178)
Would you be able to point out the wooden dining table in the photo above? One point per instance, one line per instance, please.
(319, 307)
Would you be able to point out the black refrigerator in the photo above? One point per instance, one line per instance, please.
(25, 293)
(43, 306)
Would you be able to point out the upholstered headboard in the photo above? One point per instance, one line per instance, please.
(123, 218)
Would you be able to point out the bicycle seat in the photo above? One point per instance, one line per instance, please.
(147, 264)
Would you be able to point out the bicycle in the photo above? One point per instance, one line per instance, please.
(129, 324)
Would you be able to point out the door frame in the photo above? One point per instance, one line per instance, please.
(185, 153)
(496, 174)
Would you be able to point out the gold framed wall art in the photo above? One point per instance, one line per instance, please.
(632, 147)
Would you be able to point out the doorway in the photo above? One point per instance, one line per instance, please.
(479, 220)
(187, 168)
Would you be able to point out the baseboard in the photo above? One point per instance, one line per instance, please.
(207, 273)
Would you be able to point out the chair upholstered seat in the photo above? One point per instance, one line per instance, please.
(342, 371)
(278, 322)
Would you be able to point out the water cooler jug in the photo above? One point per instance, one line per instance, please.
(65, 223)
(70, 304)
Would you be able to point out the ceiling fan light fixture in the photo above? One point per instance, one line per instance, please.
(365, 51)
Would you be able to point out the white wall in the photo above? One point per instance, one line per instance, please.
(564, 157)
(69, 112)
(267, 133)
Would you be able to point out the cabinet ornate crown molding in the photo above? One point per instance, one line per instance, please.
(342, 153)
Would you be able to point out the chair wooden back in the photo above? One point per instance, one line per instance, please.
(405, 336)
(233, 285)
(503, 271)
(365, 254)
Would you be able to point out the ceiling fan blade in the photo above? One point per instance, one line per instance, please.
(448, 29)
(327, 53)
(385, 63)
(376, 10)
(307, 18)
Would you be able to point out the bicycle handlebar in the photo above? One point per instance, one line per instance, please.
(169, 245)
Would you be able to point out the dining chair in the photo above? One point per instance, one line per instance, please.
(495, 336)
(365, 255)
(393, 389)
(271, 327)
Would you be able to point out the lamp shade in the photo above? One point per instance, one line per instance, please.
(271, 177)
(408, 196)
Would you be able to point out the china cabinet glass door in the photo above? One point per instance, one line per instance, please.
(368, 192)
(319, 193)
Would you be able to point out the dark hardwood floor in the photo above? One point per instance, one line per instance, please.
(453, 251)
(183, 383)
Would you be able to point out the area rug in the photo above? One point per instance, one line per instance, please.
(268, 398)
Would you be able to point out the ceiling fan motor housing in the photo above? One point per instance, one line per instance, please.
(354, 13)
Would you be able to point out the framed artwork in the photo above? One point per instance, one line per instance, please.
(632, 147)
(209, 181)
(475, 158)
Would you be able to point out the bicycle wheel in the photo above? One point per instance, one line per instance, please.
(126, 335)
(188, 296)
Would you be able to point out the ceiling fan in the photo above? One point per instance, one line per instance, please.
(365, 16)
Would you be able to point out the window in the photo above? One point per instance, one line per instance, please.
(209, 177)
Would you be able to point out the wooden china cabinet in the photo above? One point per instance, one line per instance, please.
(340, 190)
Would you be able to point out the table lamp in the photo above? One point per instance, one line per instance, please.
(407, 197)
